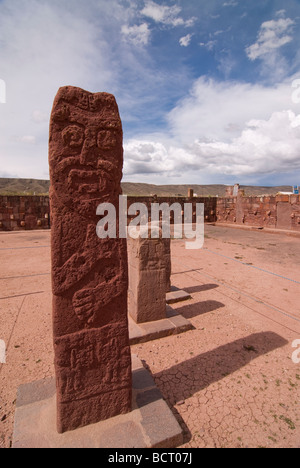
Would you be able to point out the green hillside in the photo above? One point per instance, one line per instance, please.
(41, 187)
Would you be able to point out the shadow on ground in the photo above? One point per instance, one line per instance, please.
(193, 310)
(200, 288)
(183, 380)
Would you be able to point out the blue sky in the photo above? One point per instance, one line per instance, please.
(205, 88)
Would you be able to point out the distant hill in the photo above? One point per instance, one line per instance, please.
(24, 187)
(41, 187)
(200, 190)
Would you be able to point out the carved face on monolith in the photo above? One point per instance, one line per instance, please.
(89, 275)
(86, 148)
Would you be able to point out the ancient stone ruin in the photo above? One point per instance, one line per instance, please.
(89, 275)
(149, 277)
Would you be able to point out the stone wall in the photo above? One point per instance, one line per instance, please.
(277, 212)
(33, 212)
(210, 205)
(24, 213)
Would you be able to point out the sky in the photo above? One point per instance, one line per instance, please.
(208, 91)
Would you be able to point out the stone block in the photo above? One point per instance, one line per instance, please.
(150, 424)
(148, 273)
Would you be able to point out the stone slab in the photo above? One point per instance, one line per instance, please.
(177, 296)
(151, 423)
(173, 324)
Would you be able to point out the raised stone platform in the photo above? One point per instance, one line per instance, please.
(151, 423)
(173, 324)
(177, 295)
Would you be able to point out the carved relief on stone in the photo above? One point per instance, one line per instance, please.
(89, 275)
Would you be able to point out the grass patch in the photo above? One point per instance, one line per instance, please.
(288, 421)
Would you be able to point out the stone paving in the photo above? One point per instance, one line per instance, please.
(231, 381)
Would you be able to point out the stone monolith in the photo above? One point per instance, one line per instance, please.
(149, 277)
(89, 275)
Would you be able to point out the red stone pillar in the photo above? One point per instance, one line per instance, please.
(89, 275)
(149, 278)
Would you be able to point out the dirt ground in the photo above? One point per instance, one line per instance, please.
(232, 381)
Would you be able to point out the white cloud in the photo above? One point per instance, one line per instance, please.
(212, 106)
(226, 65)
(28, 139)
(210, 45)
(137, 35)
(222, 31)
(40, 117)
(218, 126)
(231, 3)
(146, 157)
(166, 15)
(281, 13)
(45, 45)
(186, 40)
(264, 146)
(222, 130)
(272, 36)
(296, 122)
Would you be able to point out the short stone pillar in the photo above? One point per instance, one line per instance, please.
(89, 274)
(149, 278)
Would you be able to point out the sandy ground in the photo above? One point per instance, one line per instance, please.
(231, 381)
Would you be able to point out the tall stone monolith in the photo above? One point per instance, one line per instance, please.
(89, 275)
